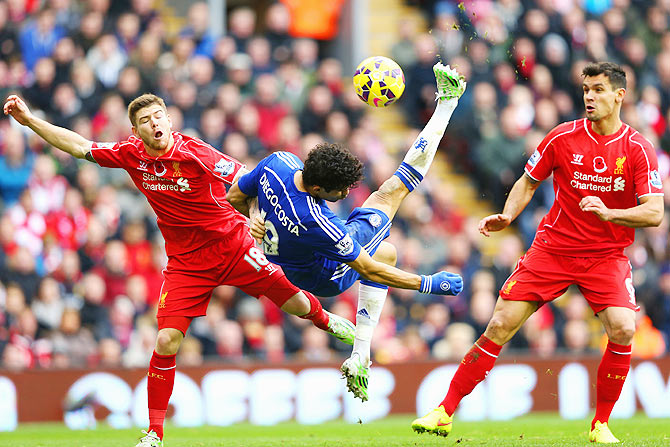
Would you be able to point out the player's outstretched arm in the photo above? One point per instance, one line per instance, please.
(441, 283)
(518, 198)
(238, 199)
(649, 213)
(59, 137)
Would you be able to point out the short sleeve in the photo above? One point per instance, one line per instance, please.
(108, 155)
(646, 177)
(248, 183)
(334, 240)
(540, 165)
(220, 166)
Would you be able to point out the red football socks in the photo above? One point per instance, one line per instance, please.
(473, 369)
(612, 374)
(159, 388)
(316, 313)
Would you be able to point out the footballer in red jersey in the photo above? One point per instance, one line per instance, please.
(207, 242)
(606, 183)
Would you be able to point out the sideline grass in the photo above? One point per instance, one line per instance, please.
(534, 430)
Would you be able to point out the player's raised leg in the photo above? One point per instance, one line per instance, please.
(507, 318)
(619, 324)
(419, 157)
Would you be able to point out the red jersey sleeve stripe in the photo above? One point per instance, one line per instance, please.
(649, 190)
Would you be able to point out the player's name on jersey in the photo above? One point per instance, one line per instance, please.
(277, 209)
(595, 182)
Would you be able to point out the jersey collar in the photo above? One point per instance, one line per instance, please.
(605, 139)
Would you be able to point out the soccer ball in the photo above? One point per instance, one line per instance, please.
(379, 81)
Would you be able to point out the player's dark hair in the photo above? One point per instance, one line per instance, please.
(141, 102)
(614, 73)
(332, 167)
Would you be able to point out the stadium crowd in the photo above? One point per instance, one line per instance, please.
(80, 252)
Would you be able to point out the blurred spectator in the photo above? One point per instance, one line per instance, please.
(39, 36)
(16, 164)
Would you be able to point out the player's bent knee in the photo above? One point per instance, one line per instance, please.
(168, 341)
(386, 253)
(499, 330)
(622, 334)
(298, 304)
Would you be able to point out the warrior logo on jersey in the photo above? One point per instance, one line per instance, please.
(599, 164)
(655, 179)
(345, 246)
(532, 161)
(143, 166)
(159, 169)
(619, 165)
(375, 220)
(224, 167)
(577, 159)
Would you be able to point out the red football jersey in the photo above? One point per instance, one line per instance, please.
(185, 187)
(618, 168)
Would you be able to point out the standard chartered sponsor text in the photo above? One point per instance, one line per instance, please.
(160, 186)
(592, 182)
(277, 209)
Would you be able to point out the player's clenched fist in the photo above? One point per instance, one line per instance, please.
(17, 108)
(595, 205)
(494, 222)
(258, 228)
(441, 283)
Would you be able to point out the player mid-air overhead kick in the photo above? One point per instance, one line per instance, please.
(320, 252)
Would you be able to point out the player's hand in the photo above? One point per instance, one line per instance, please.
(595, 205)
(441, 283)
(494, 222)
(257, 228)
(18, 109)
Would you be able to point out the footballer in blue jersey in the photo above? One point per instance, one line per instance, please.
(302, 235)
(325, 255)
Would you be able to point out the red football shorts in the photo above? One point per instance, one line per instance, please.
(190, 278)
(541, 276)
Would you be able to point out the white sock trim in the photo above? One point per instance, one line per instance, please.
(485, 351)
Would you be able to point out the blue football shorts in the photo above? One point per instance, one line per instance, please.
(369, 227)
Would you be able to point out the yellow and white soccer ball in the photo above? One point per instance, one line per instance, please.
(379, 81)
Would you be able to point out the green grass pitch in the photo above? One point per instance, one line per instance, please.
(534, 430)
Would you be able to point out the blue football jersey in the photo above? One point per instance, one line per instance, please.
(303, 235)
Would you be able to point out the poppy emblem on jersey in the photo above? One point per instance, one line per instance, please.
(223, 167)
(159, 169)
(375, 220)
(532, 161)
(444, 285)
(655, 179)
(599, 164)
